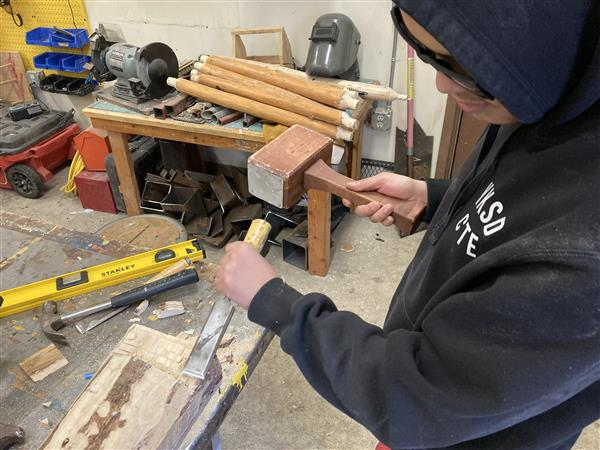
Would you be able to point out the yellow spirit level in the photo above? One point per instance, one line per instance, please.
(26, 297)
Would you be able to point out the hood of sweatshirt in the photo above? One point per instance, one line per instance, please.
(539, 58)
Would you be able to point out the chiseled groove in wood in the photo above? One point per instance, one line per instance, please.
(117, 397)
(138, 401)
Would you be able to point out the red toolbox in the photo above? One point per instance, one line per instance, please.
(29, 151)
(94, 191)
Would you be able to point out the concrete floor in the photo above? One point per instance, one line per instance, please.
(278, 409)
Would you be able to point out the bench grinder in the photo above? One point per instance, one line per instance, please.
(141, 72)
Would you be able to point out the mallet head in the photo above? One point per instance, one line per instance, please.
(276, 171)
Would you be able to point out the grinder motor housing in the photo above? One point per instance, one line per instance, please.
(141, 72)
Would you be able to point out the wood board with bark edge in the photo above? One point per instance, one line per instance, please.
(138, 398)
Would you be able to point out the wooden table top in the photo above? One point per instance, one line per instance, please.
(53, 250)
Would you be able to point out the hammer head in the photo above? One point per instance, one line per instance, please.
(51, 323)
(276, 171)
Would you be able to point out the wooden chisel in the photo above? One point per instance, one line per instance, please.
(221, 313)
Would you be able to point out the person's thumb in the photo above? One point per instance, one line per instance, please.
(367, 184)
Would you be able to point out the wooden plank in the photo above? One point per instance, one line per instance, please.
(170, 124)
(319, 232)
(119, 144)
(258, 30)
(286, 50)
(239, 49)
(138, 398)
(14, 87)
(177, 135)
(44, 362)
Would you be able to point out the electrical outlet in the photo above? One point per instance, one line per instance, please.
(381, 118)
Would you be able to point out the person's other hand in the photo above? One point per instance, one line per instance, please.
(242, 272)
(392, 185)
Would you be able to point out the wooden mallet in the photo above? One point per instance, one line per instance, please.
(281, 171)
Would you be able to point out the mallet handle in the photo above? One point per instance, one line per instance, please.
(407, 214)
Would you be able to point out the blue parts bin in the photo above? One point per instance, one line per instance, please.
(67, 62)
(75, 63)
(62, 38)
(57, 37)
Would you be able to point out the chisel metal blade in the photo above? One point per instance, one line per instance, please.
(209, 339)
(85, 327)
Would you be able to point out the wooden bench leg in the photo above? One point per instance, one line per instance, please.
(119, 143)
(319, 232)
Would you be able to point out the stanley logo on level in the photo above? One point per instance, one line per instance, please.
(108, 273)
(32, 295)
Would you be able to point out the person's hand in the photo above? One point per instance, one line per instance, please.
(242, 272)
(392, 185)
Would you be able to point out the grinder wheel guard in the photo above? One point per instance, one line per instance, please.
(156, 63)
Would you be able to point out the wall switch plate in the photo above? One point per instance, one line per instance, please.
(381, 117)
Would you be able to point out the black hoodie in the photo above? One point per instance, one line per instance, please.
(492, 339)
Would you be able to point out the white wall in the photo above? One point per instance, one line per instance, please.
(195, 27)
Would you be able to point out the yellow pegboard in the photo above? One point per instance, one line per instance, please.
(41, 13)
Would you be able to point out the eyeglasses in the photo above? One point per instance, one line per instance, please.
(445, 64)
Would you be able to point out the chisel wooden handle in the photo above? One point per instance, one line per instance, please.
(407, 214)
(183, 264)
(258, 233)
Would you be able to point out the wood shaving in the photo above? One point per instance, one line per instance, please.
(139, 309)
(169, 309)
(346, 247)
(226, 341)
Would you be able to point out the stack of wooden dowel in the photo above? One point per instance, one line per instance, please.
(371, 90)
(270, 94)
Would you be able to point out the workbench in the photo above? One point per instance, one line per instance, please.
(121, 124)
(35, 250)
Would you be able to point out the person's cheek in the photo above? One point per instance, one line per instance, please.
(445, 85)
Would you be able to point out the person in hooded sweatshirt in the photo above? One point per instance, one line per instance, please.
(492, 339)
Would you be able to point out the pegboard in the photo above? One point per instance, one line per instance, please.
(41, 13)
